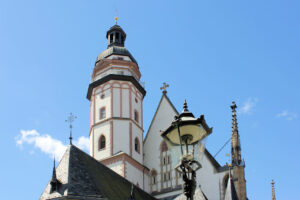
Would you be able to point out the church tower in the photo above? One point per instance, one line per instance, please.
(238, 164)
(116, 110)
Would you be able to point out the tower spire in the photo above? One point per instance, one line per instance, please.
(235, 138)
(273, 190)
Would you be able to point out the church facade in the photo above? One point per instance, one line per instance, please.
(117, 132)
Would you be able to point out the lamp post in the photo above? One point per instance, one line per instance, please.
(184, 137)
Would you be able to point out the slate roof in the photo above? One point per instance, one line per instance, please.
(86, 178)
(115, 50)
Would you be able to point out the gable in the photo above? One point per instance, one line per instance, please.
(165, 110)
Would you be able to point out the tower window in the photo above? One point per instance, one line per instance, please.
(102, 96)
(117, 37)
(137, 145)
(111, 37)
(136, 116)
(102, 113)
(102, 142)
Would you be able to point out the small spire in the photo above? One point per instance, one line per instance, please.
(54, 179)
(164, 87)
(70, 120)
(185, 106)
(273, 190)
(234, 119)
(116, 19)
(54, 182)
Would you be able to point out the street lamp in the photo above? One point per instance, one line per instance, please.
(184, 138)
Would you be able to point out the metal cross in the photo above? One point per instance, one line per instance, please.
(70, 120)
(164, 87)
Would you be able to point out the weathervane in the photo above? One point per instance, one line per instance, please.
(164, 87)
(116, 17)
(70, 120)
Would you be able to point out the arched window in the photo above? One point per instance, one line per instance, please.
(163, 147)
(102, 113)
(136, 116)
(102, 142)
(137, 145)
(153, 176)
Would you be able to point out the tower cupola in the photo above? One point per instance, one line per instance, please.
(116, 36)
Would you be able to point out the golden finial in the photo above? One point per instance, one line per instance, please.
(116, 19)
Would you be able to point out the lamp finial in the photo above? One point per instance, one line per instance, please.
(185, 106)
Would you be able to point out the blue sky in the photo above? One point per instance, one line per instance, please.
(210, 52)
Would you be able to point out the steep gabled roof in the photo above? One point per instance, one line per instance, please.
(164, 95)
(89, 179)
(230, 193)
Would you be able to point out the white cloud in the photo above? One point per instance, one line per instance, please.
(47, 144)
(83, 143)
(248, 106)
(287, 115)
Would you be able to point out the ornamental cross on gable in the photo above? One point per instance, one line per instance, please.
(70, 120)
(164, 87)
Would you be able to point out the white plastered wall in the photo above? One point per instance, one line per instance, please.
(137, 105)
(137, 133)
(210, 180)
(117, 167)
(101, 129)
(102, 102)
(133, 174)
(116, 100)
(121, 136)
(125, 100)
(164, 116)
